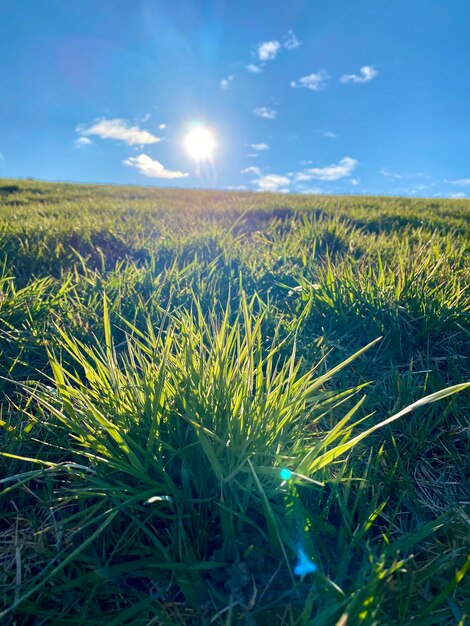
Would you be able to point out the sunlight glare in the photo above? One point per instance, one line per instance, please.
(200, 143)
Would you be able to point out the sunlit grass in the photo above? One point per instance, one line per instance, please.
(190, 421)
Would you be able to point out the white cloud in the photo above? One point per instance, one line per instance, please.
(161, 126)
(153, 169)
(423, 187)
(335, 171)
(290, 41)
(268, 114)
(259, 147)
(251, 170)
(314, 82)
(457, 196)
(388, 174)
(255, 69)
(146, 117)
(83, 141)
(330, 135)
(268, 50)
(461, 181)
(238, 188)
(367, 73)
(272, 182)
(354, 182)
(395, 176)
(119, 130)
(225, 82)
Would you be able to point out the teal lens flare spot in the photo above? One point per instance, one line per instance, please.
(285, 474)
(304, 564)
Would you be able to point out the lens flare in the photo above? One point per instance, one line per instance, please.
(304, 564)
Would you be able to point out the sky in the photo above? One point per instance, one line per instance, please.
(298, 96)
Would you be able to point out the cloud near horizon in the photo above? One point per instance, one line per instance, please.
(267, 182)
(280, 183)
(251, 170)
(259, 147)
(388, 174)
(151, 168)
(332, 172)
(461, 181)
(367, 73)
(272, 182)
(119, 130)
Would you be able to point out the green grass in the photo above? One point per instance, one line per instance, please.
(164, 354)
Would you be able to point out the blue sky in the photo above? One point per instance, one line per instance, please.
(334, 96)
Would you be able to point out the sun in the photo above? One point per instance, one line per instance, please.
(200, 144)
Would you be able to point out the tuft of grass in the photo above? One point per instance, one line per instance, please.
(166, 467)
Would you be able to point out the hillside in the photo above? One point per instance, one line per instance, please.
(165, 354)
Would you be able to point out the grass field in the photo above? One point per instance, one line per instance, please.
(165, 354)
